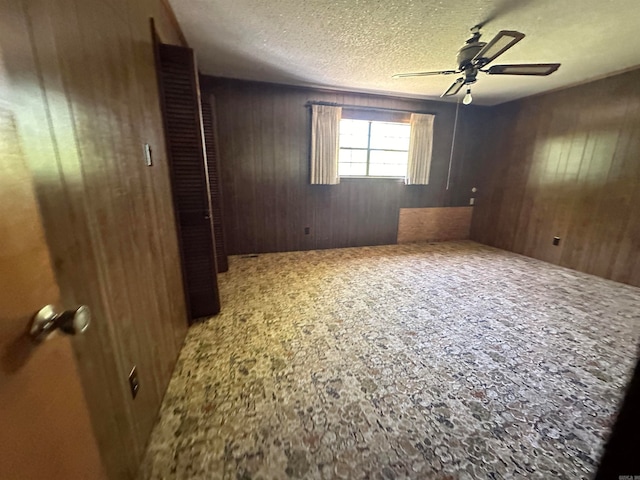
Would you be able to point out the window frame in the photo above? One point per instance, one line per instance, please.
(368, 149)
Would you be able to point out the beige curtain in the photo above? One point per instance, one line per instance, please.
(325, 144)
(420, 147)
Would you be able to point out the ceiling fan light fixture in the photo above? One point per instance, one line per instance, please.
(467, 98)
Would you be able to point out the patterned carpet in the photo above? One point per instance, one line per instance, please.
(443, 361)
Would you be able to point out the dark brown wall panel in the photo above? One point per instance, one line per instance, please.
(264, 133)
(108, 217)
(566, 164)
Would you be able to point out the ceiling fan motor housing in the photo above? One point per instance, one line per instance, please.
(468, 53)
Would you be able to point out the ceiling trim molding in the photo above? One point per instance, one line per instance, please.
(597, 78)
(207, 82)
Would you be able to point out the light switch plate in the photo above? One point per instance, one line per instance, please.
(147, 155)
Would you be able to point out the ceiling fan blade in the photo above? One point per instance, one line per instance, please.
(424, 74)
(503, 41)
(538, 69)
(454, 88)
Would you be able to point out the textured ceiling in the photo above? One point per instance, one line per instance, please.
(358, 44)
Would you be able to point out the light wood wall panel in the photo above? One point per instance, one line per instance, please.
(566, 164)
(434, 224)
(108, 217)
(264, 136)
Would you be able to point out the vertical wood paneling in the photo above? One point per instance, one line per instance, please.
(108, 217)
(566, 164)
(264, 133)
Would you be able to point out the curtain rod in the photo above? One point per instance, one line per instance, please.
(358, 107)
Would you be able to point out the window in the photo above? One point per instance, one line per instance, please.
(373, 149)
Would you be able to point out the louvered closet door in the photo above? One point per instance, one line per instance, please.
(211, 150)
(189, 177)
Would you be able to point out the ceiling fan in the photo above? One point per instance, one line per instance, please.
(475, 55)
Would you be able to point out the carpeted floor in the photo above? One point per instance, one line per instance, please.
(443, 361)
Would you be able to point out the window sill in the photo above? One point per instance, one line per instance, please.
(364, 177)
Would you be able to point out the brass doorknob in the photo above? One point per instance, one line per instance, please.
(70, 322)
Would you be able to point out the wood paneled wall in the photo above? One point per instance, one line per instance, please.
(566, 164)
(264, 134)
(108, 217)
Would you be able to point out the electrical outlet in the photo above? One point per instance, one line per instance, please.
(134, 383)
(307, 230)
(556, 241)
